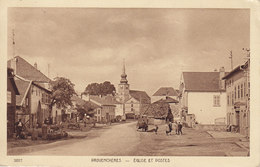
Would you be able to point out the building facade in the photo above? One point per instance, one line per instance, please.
(238, 98)
(203, 95)
(106, 110)
(12, 91)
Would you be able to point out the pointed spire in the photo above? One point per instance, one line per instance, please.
(123, 76)
(123, 66)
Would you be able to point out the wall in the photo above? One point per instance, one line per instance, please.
(201, 104)
(11, 109)
(108, 109)
(119, 110)
(230, 90)
(36, 99)
(210, 127)
(132, 109)
(236, 80)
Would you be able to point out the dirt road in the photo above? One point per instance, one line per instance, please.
(124, 140)
(117, 140)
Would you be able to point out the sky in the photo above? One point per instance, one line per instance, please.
(88, 45)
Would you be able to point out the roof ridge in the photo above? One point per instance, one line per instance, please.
(31, 66)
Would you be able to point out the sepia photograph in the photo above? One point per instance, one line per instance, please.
(128, 82)
(129, 85)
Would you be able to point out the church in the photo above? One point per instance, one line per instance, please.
(134, 101)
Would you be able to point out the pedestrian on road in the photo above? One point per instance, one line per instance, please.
(167, 129)
(170, 127)
(19, 128)
(175, 127)
(179, 128)
(156, 129)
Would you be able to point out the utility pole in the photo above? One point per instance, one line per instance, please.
(13, 44)
(48, 70)
(231, 59)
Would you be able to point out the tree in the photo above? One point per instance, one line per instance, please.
(86, 108)
(62, 91)
(102, 89)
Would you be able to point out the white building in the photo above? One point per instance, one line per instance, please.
(203, 94)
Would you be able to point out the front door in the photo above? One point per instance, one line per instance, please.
(238, 120)
(39, 115)
(107, 117)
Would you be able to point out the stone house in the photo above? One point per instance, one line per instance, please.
(238, 98)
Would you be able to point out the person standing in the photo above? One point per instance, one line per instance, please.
(19, 128)
(175, 127)
(179, 128)
(167, 130)
(156, 129)
(170, 127)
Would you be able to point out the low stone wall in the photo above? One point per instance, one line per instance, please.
(210, 127)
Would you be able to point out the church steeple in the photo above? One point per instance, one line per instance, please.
(123, 75)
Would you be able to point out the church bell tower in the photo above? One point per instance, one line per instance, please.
(123, 87)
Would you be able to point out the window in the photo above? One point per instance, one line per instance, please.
(238, 91)
(235, 92)
(42, 98)
(216, 100)
(242, 94)
(228, 100)
(232, 98)
(9, 97)
(132, 105)
(27, 101)
(244, 89)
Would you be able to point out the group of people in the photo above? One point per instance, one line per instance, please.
(170, 127)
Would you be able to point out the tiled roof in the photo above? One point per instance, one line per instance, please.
(163, 91)
(237, 69)
(157, 110)
(22, 87)
(78, 100)
(82, 103)
(27, 71)
(167, 100)
(103, 100)
(140, 96)
(93, 105)
(202, 81)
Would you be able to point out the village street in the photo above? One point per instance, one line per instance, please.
(124, 140)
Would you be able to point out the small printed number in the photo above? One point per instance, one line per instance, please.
(18, 160)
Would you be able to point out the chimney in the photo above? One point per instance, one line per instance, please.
(221, 75)
(35, 65)
(13, 64)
